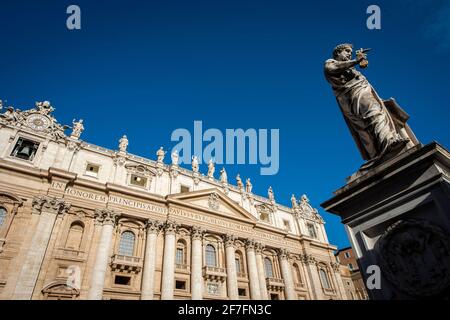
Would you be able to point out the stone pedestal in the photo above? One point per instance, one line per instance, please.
(397, 217)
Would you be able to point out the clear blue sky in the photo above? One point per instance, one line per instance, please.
(145, 69)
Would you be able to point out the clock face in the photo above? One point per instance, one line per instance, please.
(38, 122)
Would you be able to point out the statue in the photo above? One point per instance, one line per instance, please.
(378, 126)
(77, 129)
(160, 155)
(175, 158)
(270, 194)
(10, 115)
(195, 163)
(239, 182)
(248, 186)
(294, 202)
(223, 176)
(123, 144)
(211, 169)
(44, 107)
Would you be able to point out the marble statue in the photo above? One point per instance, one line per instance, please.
(239, 182)
(378, 126)
(294, 202)
(175, 157)
(195, 163)
(123, 144)
(211, 169)
(77, 129)
(44, 107)
(248, 186)
(223, 176)
(160, 155)
(270, 194)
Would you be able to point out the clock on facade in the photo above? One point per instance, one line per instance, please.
(38, 122)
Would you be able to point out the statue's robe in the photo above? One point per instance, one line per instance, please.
(365, 112)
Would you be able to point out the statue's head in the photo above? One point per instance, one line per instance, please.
(343, 52)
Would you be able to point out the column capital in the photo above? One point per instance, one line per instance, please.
(250, 244)
(230, 240)
(197, 233)
(49, 204)
(335, 266)
(283, 254)
(106, 216)
(259, 247)
(308, 259)
(170, 227)
(153, 226)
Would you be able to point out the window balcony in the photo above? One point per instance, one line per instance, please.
(242, 275)
(126, 263)
(275, 284)
(70, 254)
(214, 273)
(182, 267)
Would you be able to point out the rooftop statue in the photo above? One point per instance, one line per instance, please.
(211, 168)
(175, 157)
(223, 176)
(123, 144)
(378, 126)
(160, 155)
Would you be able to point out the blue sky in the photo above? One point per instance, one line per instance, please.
(146, 69)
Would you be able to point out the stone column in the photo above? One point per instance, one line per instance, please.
(232, 284)
(197, 263)
(48, 208)
(148, 273)
(108, 219)
(168, 272)
(339, 283)
(261, 272)
(286, 273)
(252, 270)
(316, 285)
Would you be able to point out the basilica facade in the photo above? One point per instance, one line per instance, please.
(78, 221)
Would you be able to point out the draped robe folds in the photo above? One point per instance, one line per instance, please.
(374, 124)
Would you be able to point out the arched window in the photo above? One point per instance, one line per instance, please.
(324, 279)
(126, 245)
(298, 275)
(75, 236)
(268, 267)
(211, 256)
(2, 216)
(180, 257)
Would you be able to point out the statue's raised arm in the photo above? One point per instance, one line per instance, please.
(378, 127)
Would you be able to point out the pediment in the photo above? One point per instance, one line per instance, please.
(213, 200)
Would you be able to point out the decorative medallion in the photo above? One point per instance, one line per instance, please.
(414, 256)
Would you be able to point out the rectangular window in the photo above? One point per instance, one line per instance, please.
(312, 230)
(274, 296)
(238, 264)
(287, 225)
(25, 149)
(122, 280)
(347, 255)
(92, 170)
(138, 180)
(180, 285)
(242, 292)
(179, 257)
(184, 189)
(350, 266)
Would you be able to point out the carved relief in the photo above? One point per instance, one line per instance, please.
(414, 256)
(106, 216)
(213, 201)
(49, 204)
